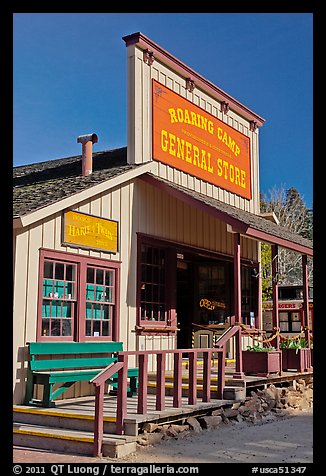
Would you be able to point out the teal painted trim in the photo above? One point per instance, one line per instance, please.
(37, 365)
(48, 348)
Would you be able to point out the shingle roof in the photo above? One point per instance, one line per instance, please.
(38, 185)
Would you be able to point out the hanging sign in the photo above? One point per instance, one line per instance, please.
(89, 231)
(192, 140)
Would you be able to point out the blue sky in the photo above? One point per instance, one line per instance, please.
(70, 78)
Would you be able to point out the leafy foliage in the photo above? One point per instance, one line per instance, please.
(258, 348)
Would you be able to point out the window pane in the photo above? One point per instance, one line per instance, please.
(59, 289)
(46, 309)
(105, 328)
(48, 269)
(47, 288)
(155, 312)
(109, 278)
(70, 272)
(88, 328)
(90, 292)
(90, 275)
(156, 256)
(59, 270)
(55, 327)
(96, 327)
(66, 327)
(100, 296)
(99, 276)
(55, 309)
(106, 312)
(89, 312)
(108, 295)
(45, 327)
(66, 309)
(70, 291)
(162, 312)
(97, 311)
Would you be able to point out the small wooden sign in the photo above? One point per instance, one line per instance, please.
(91, 232)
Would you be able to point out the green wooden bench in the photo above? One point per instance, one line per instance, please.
(67, 363)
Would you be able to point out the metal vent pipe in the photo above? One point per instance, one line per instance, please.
(87, 142)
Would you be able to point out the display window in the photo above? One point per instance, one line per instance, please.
(78, 297)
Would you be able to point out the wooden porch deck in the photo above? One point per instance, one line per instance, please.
(83, 408)
(69, 426)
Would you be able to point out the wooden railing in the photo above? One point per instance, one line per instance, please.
(121, 368)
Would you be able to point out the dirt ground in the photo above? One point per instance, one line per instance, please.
(285, 440)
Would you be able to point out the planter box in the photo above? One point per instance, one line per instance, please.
(297, 359)
(261, 364)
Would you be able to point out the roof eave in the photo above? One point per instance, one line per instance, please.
(71, 200)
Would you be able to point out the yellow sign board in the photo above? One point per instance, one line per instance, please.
(89, 231)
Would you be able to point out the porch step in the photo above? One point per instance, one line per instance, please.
(71, 441)
(53, 417)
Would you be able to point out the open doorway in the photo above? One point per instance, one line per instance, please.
(185, 301)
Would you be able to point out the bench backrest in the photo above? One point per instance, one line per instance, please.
(68, 348)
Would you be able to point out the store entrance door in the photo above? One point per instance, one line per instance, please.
(185, 303)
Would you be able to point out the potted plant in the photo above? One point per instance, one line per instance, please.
(295, 354)
(261, 361)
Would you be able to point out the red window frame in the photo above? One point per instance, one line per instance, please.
(79, 299)
(168, 325)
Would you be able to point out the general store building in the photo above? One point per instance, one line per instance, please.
(153, 244)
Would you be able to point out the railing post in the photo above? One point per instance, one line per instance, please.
(122, 393)
(192, 378)
(221, 372)
(160, 381)
(207, 376)
(177, 380)
(142, 384)
(98, 430)
(238, 355)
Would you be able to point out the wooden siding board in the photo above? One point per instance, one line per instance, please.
(19, 316)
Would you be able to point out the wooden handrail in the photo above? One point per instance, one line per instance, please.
(99, 382)
(121, 368)
(230, 332)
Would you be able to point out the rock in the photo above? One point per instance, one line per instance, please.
(150, 427)
(150, 439)
(230, 412)
(210, 422)
(194, 424)
(179, 428)
(217, 412)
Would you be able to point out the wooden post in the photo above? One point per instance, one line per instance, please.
(98, 430)
(237, 304)
(221, 372)
(275, 317)
(160, 381)
(192, 397)
(237, 277)
(142, 384)
(305, 298)
(207, 376)
(122, 393)
(177, 380)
